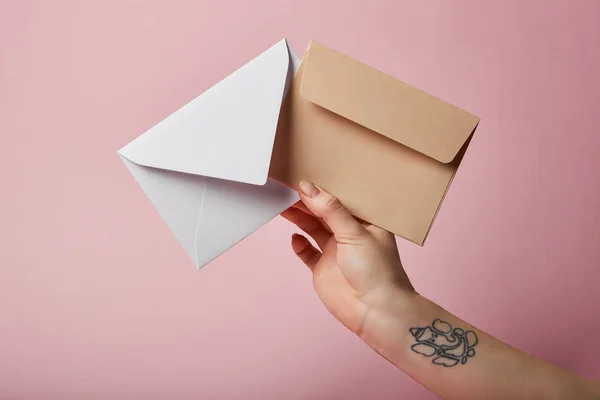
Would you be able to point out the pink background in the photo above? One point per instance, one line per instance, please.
(98, 300)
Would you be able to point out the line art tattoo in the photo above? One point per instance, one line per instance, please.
(450, 346)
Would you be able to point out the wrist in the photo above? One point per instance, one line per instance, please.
(387, 323)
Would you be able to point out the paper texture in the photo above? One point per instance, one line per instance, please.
(387, 150)
(205, 166)
(230, 160)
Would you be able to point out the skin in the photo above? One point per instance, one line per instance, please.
(358, 275)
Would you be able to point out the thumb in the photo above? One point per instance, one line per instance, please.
(329, 207)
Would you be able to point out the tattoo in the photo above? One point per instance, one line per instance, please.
(451, 346)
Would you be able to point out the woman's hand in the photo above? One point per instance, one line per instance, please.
(357, 265)
(358, 275)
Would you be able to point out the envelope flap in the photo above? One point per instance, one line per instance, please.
(228, 131)
(384, 104)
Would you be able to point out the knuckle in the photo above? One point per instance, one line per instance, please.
(312, 229)
(304, 252)
(302, 248)
(347, 238)
(292, 216)
(297, 217)
(308, 256)
(333, 204)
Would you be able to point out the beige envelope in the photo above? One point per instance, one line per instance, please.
(387, 150)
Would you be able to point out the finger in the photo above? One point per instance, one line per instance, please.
(301, 206)
(305, 251)
(310, 225)
(328, 207)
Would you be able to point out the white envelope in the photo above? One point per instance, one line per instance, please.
(205, 167)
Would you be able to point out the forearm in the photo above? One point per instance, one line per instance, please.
(461, 364)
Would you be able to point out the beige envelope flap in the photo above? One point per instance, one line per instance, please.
(384, 104)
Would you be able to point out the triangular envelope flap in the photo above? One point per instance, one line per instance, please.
(206, 215)
(384, 104)
(228, 131)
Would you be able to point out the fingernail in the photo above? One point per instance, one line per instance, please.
(308, 189)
